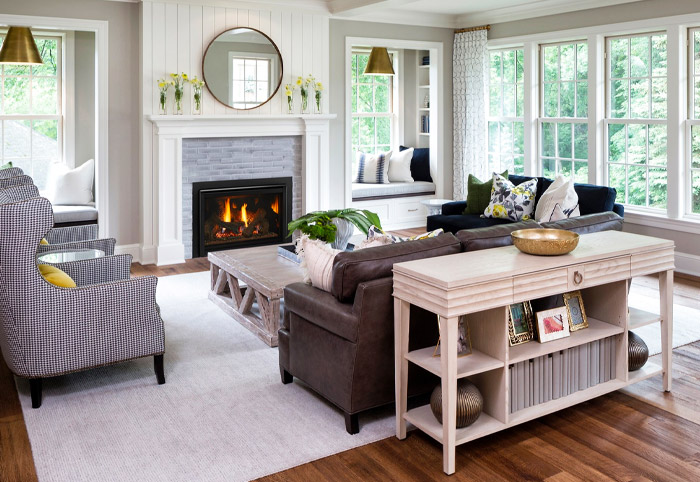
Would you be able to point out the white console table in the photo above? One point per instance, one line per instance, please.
(482, 285)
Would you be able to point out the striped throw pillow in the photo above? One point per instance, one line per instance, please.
(373, 168)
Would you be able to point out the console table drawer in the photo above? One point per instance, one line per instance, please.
(540, 284)
(598, 272)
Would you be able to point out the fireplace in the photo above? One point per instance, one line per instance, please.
(237, 214)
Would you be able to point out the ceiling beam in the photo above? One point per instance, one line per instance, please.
(349, 8)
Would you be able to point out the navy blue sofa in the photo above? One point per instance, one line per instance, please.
(592, 200)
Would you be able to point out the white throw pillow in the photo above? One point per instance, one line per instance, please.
(316, 262)
(373, 168)
(400, 166)
(71, 186)
(559, 201)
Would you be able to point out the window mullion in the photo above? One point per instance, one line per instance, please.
(676, 113)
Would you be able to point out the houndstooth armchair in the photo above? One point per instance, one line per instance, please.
(10, 172)
(60, 239)
(47, 331)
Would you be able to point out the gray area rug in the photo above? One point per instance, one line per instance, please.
(223, 414)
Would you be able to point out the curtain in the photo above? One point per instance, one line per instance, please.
(469, 71)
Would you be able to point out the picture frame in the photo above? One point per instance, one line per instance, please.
(520, 323)
(576, 311)
(553, 324)
(464, 338)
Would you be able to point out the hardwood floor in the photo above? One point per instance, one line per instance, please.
(640, 433)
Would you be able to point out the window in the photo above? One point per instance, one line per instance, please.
(31, 121)
(250, 81)
(373, 116)
(694, 115)
(564, 110)
(505, 119)
(636, 118)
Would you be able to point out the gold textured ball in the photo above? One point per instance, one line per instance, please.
(469, 403)
(637, 352)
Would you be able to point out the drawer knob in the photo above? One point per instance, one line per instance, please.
(412, 210)
(578, 278)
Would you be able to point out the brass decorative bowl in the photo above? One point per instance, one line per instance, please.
(545, 242)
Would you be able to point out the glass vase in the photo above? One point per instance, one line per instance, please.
(178, 102)
(304, 102)
(317, 103)
(163, 104)
(290, 104)
(197, 103)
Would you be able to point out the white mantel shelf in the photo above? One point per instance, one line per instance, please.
(166, 188)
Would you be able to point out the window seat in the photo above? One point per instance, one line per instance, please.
(367, 192)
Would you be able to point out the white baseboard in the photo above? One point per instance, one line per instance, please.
(133, 249)
(688, 264)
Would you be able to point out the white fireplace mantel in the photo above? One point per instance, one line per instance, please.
(166, 187)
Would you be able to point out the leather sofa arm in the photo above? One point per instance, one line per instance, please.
(322, 309)
(454, 207)
(589, 223)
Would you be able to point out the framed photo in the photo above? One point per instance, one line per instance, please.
(464, 339)
(520, 325)
(577, 313)
(553, 324)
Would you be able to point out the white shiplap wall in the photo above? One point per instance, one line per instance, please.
(174, 37)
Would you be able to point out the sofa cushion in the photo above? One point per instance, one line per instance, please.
(352, 268)
(420, 163)
(595, 199)
(56, 276)
(589, 223)
(456, 222)
(74, 214)
(491, 237)
(509, 201)
(479, 194)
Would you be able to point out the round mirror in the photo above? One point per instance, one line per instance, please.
(242, 68)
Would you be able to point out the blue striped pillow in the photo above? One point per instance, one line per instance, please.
(373, 168)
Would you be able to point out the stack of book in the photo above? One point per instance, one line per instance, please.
(425, 60)
(425, 124)
(561, 373)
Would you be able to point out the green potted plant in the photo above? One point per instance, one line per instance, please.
(335, 226)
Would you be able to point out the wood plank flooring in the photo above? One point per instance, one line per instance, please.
(640, 433)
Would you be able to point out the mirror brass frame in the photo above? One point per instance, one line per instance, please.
(279, 84)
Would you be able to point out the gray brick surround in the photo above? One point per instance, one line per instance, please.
(237, 158)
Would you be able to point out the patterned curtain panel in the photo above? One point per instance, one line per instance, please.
(470, 70)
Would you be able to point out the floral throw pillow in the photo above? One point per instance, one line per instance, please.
(509, 201)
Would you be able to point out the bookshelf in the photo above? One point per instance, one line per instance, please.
(596, 357)
(424, 98)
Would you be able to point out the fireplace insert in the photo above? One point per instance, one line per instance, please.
(237, 214)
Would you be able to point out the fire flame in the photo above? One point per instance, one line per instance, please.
(244, 215)
(275, 206)
(227, 211)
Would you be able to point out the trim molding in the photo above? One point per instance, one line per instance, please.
(662, 222)
(133, 249)
(688, 264)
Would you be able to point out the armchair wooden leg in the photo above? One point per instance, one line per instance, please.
(158, 365)
(352, 423)
(286, 376)
(35, 389)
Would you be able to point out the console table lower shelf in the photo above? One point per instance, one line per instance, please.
(589, 363)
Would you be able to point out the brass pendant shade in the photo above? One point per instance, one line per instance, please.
(379, 62)
(19, 47)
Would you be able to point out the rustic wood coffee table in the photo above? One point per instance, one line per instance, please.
(264, 274)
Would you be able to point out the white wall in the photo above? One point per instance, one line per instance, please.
(84, 96)
(339, 29)
(123, 129)
(174, 38)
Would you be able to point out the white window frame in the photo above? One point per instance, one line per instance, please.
(492, 167)
(557, 121)
(271, 72)
(59, 117)
(693, 120)
(629, 120)
(393, 115)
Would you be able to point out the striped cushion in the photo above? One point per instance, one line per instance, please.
(373, 168)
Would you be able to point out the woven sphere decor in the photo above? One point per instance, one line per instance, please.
(637, 352)
(469, 403)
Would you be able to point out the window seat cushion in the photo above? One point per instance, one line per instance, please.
(74, 214)
(393, 189)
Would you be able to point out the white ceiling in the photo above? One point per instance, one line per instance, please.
(437, 13)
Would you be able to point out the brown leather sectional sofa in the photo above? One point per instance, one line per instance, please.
(341, 344)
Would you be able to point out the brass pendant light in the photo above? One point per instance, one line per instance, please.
(19, 47)
(379, 62)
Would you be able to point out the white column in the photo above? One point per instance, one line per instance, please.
(170, 249)
(315, 166)
(531, 108)
(676, 111)
(597, 143)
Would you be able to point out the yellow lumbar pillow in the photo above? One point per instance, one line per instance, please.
(43, 241)
(56, 276)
